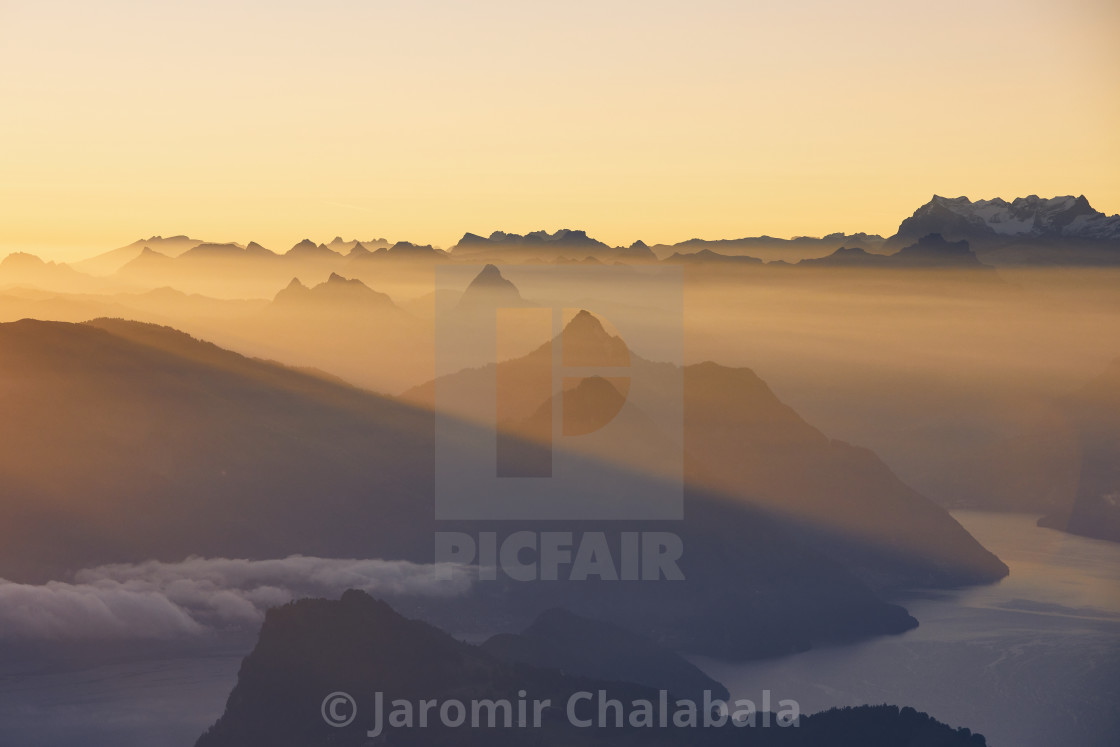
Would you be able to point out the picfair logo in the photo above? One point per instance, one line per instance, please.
(559, 396)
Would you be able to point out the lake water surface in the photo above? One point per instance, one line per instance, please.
(1031, 661)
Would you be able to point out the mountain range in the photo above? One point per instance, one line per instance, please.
(1033, 216)
(189, 449)
(1025, 231)
(929, 251)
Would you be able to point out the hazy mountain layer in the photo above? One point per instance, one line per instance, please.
(743, 442)
(124, 442)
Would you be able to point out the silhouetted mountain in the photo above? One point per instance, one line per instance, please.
(582, 647)
(148, 262)
(232, 270)
(126, 442)
(490, 290)
(356, 247)
(848, 257)
(111, 261)
(362, 647)
(960, 218)
(337, 294)
(541, 246)
(741, 441)
(308, 249)
(770, 248)
(1057, 230)
(21, 268)
(708, 256)
(931, 251)
(226, 251)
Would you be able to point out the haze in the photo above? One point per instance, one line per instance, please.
(660, 121)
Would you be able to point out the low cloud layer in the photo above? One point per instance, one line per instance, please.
(200, 595)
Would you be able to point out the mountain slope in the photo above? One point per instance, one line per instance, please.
(124, 442)
(361, 647)
(109, 262)
(742, 442)
(1094, 414)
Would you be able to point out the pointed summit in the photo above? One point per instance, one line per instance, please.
(336, 293)
(492, 277)
(490, 290)
(293, 293)
(585, 342)
(306, 245)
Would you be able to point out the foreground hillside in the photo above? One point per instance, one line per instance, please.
(361, 647)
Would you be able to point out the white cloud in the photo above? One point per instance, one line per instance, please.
(168, 600)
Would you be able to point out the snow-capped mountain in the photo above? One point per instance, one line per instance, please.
(1026, 217)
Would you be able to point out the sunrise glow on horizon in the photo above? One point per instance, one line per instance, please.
(658, 121)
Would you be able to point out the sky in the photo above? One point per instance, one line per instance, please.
(273, 121)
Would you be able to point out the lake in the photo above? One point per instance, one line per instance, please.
(1032, 660)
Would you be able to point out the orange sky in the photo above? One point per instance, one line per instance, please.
(656, 120)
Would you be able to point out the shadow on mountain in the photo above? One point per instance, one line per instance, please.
(361, 647)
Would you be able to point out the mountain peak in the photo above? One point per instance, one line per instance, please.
(22, 259)
(997, 219)
(304, 245)
(490, 289)
(585, 342)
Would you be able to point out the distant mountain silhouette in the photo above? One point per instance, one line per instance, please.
(541, 246)
(308, 249)
(1027, 230)
(931, 251)
(402, 250)
(490, 290)
(21, 268)
(708, 256)
(770, 248)
(113, 260)
(361, 646)
(356, 247)
(337, 294)
(848, 257)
